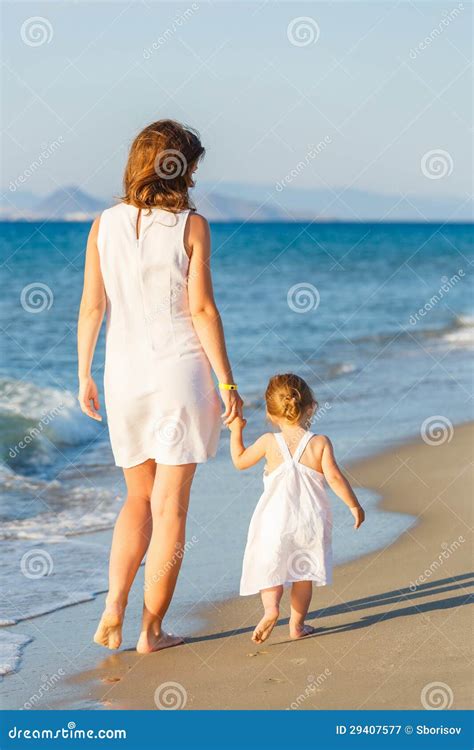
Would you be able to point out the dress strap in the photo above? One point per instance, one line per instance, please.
(300, 448)
(284, 450)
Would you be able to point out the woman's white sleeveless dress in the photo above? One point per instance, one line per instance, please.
(160, 396)
(289, 537)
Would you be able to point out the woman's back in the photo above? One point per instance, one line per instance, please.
(144, 266)
(160, 396)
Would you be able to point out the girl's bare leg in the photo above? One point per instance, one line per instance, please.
(169, 507)
(130, 541)
(271, 605)
(301, 593)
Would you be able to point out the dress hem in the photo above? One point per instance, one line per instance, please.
(145, 457)
(316, 581)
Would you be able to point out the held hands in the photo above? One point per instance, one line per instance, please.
(237, 424)
(88, 392)
(359, 515)
(233, 405)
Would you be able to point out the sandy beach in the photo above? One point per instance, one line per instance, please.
(393, 623)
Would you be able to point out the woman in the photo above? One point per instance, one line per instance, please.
(148, 265)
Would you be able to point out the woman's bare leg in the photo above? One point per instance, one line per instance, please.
(301, 593)
(130, 541)
(271, 605)
(169, 507)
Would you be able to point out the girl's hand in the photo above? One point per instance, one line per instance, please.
(233, 406)
(237, 424)
(88, 392)
(359, 515)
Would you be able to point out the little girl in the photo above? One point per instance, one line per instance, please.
(289, 539)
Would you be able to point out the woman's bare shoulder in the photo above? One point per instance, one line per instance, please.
(197, 223)
(196, 232)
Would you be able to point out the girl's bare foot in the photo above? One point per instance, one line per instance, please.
(266, 625)
(109, 630)
(299, 631)
(149, 642)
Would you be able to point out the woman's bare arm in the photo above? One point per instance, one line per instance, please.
(91, 314)
(205, 315)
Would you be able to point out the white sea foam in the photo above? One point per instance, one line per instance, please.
(41, 576)
(11, 647)
(342, 368)
(461, 335)
(36, 420)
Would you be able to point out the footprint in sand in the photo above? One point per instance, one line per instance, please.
(298, 662)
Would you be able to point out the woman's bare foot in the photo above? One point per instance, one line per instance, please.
(149, 642)
(266, 625)
(109, 630)
(300, 631)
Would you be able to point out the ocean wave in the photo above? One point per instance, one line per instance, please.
(88, 509)
(342, 368)
(40, 577)
(11, 647)
(35, 421)
(461, 333)
(459, 329)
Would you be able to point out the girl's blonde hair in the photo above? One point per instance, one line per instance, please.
(160, 165)
(288, 397)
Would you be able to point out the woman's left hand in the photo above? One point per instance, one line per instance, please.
(233, 406)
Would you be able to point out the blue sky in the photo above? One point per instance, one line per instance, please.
(260, 101)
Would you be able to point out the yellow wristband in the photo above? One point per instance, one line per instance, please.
(227, 386)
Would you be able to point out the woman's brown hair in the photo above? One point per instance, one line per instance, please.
(288, 397)
(160, 164)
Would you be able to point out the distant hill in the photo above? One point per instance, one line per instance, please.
(250, 203)
(68, 202)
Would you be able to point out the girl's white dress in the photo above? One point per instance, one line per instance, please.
(289, 537)
(160, 396)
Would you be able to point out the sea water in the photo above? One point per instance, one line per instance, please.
(378, 319)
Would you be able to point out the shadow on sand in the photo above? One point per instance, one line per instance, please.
(412, 597)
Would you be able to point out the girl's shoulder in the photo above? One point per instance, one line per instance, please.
(267, 439)
(319, 442)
